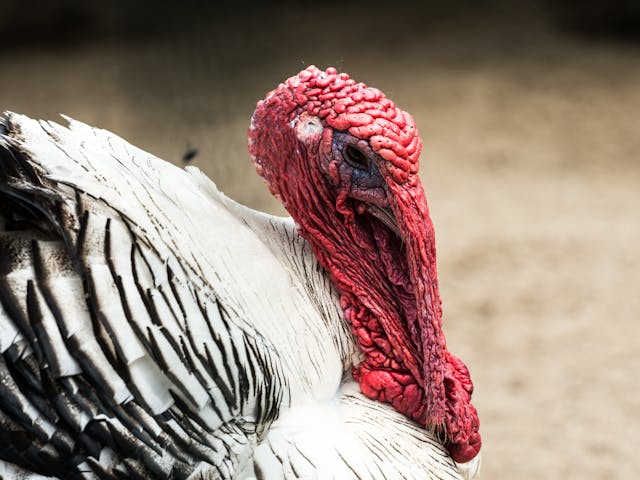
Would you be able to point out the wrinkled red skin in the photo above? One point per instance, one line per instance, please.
(389, 289)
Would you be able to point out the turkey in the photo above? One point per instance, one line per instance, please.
(151, 327)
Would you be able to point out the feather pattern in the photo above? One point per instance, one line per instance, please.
(150, 327)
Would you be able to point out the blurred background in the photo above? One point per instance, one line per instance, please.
(529, 113)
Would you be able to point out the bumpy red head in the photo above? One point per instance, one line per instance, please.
(344, 161)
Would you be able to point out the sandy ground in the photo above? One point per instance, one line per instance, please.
(531, 165)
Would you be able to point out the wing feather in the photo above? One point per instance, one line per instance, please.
(114, 341)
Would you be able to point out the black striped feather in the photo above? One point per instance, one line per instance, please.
(115, 362)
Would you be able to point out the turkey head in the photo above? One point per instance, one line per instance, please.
(343, 159)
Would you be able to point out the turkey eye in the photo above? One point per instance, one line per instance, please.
(356, 158)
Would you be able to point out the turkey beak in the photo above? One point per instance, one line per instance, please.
(386, 216)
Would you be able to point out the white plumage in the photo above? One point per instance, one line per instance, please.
(150, 327)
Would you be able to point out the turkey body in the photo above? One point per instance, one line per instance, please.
(150, 327)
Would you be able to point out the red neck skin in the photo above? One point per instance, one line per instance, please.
(388, 286)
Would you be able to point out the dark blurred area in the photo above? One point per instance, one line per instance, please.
(617, 20)
(42, 23)
(528, 112)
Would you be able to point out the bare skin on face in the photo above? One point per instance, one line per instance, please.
(344, 161)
